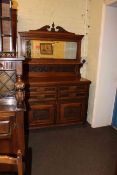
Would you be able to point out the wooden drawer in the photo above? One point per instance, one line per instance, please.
(6, 124)
(41, 93)
(11, 132)
(36, 98)
(37, 88)
(73, 91)
(71, 88)
(71, 95)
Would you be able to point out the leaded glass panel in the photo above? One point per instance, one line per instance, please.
(7, 83)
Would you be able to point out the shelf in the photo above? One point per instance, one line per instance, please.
(5, 35)
(8, 30)
(5, 1)
(5, 18)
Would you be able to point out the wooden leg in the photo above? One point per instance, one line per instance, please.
(19, 163)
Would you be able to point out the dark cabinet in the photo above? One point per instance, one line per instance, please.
(57, 104)
(55, 92)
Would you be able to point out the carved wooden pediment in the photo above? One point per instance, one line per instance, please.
(52, 28)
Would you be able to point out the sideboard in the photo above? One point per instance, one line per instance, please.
(56, 94)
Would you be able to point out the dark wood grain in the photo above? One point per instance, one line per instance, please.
(55, 92)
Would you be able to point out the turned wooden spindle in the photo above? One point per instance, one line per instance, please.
(19, 86)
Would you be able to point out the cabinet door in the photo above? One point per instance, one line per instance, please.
(73, 100)
(41, 115)
(6, 132)
(72, 111)
(11, 132)
(41, 104)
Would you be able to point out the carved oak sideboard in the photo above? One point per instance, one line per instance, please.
(55, 92)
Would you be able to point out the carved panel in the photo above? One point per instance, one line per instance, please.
(48, 68)
(6, 125)
(71, 112)
(42, 114)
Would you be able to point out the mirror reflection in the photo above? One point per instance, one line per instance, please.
(51, 49)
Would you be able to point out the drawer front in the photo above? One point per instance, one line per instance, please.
(41, 93)
(74, 91)
(6, 125)
(5, 128)
(73, 88)
(11, 132)
(34, 88)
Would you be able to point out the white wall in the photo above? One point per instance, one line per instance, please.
(107, 70)
(95, 17)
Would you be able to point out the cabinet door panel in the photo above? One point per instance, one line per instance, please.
(6, 125)
(6, 132)
(42, 114)
(72, 112)
(11, 132)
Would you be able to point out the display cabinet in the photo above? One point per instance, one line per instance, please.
(12, 108)
(55, 92)
(8, 29)
(12, 104)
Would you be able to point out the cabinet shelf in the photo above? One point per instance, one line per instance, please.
(8, 29)
(6, 1)
(5, 35)
(5, 18)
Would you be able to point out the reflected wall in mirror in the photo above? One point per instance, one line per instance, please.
(51, 49)
(53, 43)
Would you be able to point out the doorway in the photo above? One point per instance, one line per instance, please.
(107, 68)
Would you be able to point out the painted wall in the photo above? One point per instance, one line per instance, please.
(107, 70)
(95, 18)
(34, 14)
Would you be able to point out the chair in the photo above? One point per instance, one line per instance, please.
(4, 159)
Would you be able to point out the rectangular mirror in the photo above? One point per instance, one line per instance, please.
(51, 49)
